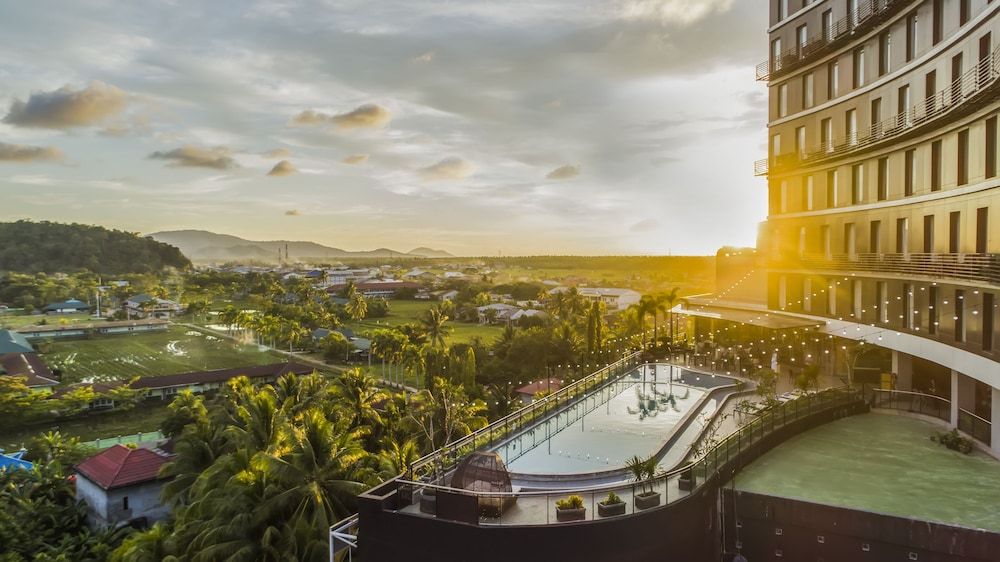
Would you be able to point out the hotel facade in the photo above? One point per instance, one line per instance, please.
(883, 185)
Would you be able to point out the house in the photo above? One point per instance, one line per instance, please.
(613, 298)
(497, 313)
(166, 386)
(528, 313)
(53, 331)
(372, 289)
(99, 388)
(453, 275)
(72, 306)
(528, 392)
(448, 295)
(142, 306)
(121, 486)
(18, 359)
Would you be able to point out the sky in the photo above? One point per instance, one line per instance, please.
(512, 127)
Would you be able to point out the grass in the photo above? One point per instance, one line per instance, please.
(177, 350)
(147, 416)
(407, 312)
(15, 321)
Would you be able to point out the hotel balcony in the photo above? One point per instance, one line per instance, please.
(964, 267)
(973, 90)
(869, 15)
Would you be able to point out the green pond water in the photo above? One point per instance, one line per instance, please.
(885, 464)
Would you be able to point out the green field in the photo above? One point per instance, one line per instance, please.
(15, 321)
(145, 417)
(403, 312)
(177, 350)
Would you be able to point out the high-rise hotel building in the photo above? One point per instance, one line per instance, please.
(884, 191)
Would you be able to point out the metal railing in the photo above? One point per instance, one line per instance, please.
(969, 85)
(979, 428)
(760, 167)
(913, 402)
(970, 267)
(539, 507)
(867, 16)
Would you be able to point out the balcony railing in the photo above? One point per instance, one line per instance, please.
(913, 402)
(869, 14)
(972, 87)
(760, 167)
(969, 267)
(979, 428)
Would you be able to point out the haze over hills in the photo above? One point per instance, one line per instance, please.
(203, 245)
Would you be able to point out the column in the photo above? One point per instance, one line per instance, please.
(954, 398)
(995, 420)
(902, 367)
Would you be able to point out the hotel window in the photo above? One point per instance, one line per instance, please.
(928, 234)
(828, 26)
(903, 106)
(857, 184)
(831, 189)
(775, 145)
(956, 77)
(883, 179)
(954, 232)
(875, 237)
(832, 80)
(859, 67)
(930, 88)
(963, 157)
(903, 236)
(909, 171)
(810, 195)
(801, 38)
(776, 55)
(964, 11)
(882, 301)
(932, 309)
(937, 21)
(982, 230)
(850, 240)
(825, 236)
(884, 53)
(907, 306)
(782, 292)
(936, 171)
(782, 9)
(911, 37)
(851, 124)
(856, 301)
(876, 117)
(991, 147)
(807, 294)
(852, 12)
(800, 141)
(782, 100)
(959, 315)
(827, 126)
(807, 90)
(802, 241)
(985, 48)
(988, 313)
(783, 201)
(831, 298)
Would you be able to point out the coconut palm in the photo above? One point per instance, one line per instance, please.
(397, 457)
(358, 392)
(434, 323)
(357, 306)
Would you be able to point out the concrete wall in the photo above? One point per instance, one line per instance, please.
(107, 507)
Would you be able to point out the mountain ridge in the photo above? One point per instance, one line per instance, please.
(204, 245)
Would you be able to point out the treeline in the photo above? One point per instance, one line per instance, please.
(27, 246)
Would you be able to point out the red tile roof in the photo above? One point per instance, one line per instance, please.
(541, 385)
(29, 366)
(120, 466)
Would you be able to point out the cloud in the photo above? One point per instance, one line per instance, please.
(197, 157)
(671, 11)
(564, 172)
(283, 168)
(368, 116)
(66, 108)
(355, 159)
(451, 168)
(293, 213)
(644, 225)
(426, 57)
(277, 153)
(25, 153)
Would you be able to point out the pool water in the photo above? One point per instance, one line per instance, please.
(599, 434)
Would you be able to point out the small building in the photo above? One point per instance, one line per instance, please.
(72, 306)
(528, 392)
(143, 306)
(372, 289)
(121, 486)
(448, 295)
(613, 298)
(18, 359)
(78, 330)
(497, 313)
(166, 386)
(528, 313)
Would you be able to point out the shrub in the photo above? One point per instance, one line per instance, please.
(953, 441)
(572, 502)
(612, 499)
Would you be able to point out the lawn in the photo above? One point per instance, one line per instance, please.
(145, 417)
(177, 350)
(404, 312)
(15, 321)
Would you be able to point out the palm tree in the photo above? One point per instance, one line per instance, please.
(670, 297)
(434, 323)
(396, 458)
(412, 358)
(358, 393)
(445, 413)
(357, 306)
(645, 307)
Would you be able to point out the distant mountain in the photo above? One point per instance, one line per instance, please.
(203, 245)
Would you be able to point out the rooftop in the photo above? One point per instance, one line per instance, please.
(885, 464)
(13, 342)
(120, 466)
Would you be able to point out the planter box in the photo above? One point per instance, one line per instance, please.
(646, 501)
(610, 510)
(428, 503)
(571, 514)
(686, 482)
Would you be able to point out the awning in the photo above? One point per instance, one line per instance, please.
(765, 319)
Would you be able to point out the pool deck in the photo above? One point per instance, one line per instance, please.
(884, 464)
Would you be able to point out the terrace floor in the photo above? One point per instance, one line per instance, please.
(884, 464)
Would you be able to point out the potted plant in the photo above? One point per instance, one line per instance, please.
(685, 482)
(571, 509)
(643, 471)
(611, 506)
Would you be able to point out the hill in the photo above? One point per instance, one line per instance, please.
(50, 247)
(203, 245)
